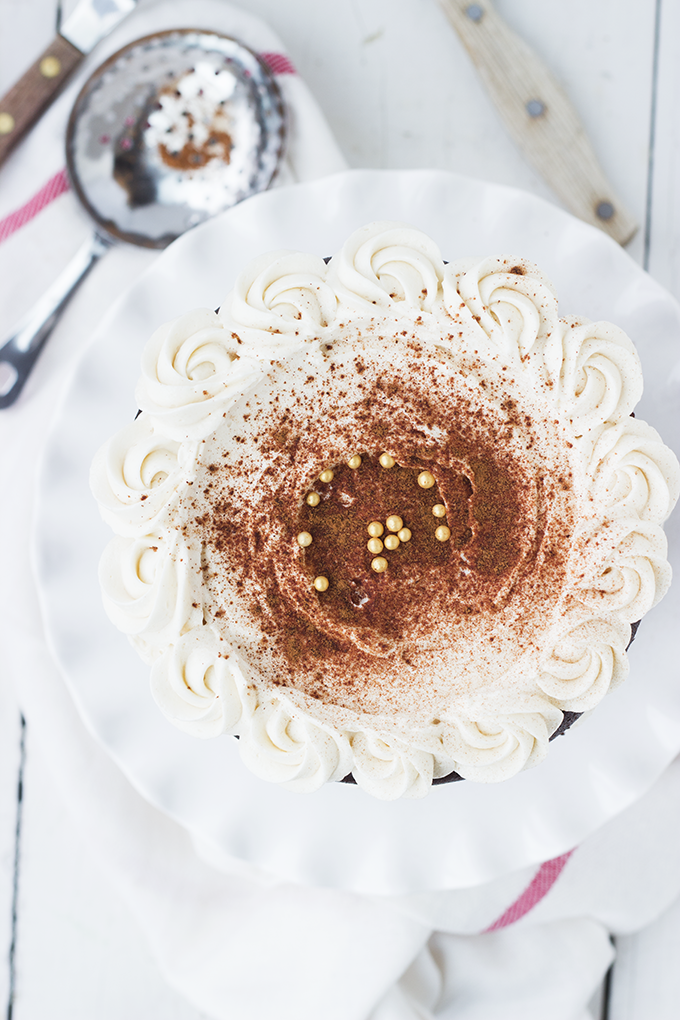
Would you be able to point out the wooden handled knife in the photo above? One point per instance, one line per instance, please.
(26, 101)
(538, 115)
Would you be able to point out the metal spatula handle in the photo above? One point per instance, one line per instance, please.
(19, 353)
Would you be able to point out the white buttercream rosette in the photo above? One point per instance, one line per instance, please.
(279, 298)
(136, 474)
(620, 567)
(198, 685)
(285, 747)
(585, 661)
(632, 473)
(584, 376)
(491, 748)
(192, 374)
(150, 587)
(388, 768)
(388, 266)
(595, 373)
(510, 299)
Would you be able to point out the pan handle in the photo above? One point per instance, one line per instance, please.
(36, 89)
(20, 351)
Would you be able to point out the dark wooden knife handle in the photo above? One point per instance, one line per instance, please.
(35, 90)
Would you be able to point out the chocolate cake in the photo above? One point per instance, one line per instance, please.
(386, 519)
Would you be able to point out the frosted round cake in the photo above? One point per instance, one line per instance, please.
(384, 517)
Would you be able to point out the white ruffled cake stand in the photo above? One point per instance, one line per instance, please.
(463, 833)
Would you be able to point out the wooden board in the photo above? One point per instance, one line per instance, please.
(399, 90)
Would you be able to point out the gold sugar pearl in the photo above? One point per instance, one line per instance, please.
(354, 462)
(386, 461)
(326, 476)
(379, 564)
(313, 499)
(374, 545)
(442, 534)
(304, 539)
(404, 535)
(392, 542)
(375, 529)
(321, 583)
(394, 522)
(425, 480)
(439, 510)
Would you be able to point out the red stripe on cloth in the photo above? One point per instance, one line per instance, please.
(278, 63)
(55, 187)
(538, 887)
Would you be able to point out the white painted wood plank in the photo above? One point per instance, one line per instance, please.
(602, 53)
(66, 8)
(10, 737)
(664, 253)
(80, 954)
(646, 978)
(399, 90)
(552, 138)
(26, 28)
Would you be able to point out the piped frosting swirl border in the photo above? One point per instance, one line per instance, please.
(193, 372)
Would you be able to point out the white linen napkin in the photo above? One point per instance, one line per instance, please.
(237, 942)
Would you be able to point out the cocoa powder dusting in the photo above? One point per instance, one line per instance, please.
(372, 641)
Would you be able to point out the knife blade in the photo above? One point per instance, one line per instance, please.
(539, 116)
(28, 99)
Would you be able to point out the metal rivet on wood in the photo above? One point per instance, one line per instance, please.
(605, 210)
(535, 107)
(50, 67)
(539, 116)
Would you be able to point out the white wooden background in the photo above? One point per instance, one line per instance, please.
(398, 91)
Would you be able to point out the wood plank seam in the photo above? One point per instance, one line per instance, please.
(652, 136)
(607, 990)
(15, 871)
